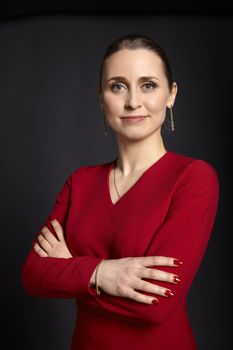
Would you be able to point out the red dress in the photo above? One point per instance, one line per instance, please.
(169, 211)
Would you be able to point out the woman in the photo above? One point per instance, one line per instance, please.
(125, 238)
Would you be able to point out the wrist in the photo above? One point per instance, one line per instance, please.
(92, 280)
(97, 275)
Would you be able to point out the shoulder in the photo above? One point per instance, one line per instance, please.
(196, 172)
(194, 165)
(89, 170)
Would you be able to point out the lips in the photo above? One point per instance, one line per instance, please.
(134, 118)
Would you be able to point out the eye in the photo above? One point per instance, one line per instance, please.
(150, 85)
(117, 87)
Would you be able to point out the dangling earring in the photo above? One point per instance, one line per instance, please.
(105, 128)
(172, 119)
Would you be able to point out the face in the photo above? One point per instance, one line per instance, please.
(135, 93)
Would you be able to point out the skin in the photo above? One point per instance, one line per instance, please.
(50, 246)
(140, 144)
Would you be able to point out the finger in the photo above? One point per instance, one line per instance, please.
(141, 298)
(44, 243)
(39, 251)
(159, 275)
(153, 288)
(49, 236)
(159, 261)
(58, 229)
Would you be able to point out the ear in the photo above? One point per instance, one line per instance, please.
(172, 97)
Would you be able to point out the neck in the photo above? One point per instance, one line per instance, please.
(136, 156)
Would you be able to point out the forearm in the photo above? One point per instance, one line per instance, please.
(58, 277)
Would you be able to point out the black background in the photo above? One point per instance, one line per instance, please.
(13, 9)
(51, 123)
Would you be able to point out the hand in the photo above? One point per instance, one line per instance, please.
(122, 277)
(49, 245)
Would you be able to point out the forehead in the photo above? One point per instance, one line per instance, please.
(137, 61)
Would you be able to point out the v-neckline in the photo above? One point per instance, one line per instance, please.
(132, 188)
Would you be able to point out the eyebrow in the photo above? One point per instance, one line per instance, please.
(143, 78)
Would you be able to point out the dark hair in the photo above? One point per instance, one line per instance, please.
(137, 41)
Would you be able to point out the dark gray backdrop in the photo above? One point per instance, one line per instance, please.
(51, 123)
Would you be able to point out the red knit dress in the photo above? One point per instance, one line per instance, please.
(169, 211)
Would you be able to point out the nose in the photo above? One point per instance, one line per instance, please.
(132, 100)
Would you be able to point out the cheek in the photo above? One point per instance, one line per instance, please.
(156, 103)
(111, 104)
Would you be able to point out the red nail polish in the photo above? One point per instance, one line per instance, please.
(168, 293)
(177, 262)
(155, 301)
(176, 279)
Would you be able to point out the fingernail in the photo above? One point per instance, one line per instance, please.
(155, 301)
(177, 262)
(176, 279)
(168, 293)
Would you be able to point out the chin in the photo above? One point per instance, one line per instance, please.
(134, 136)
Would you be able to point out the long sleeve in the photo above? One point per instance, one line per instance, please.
(58, 277)
(184, 234)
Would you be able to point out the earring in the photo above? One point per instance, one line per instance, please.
(105, 128)
(172, 119)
